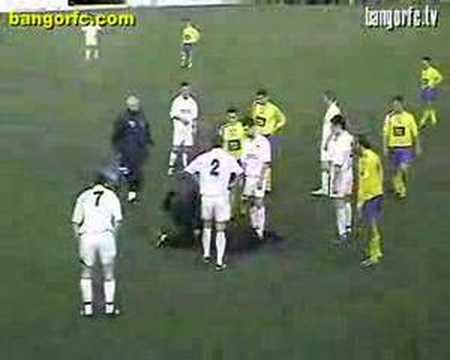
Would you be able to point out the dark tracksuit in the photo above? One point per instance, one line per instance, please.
(131, 140)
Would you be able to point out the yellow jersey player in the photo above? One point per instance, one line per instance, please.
(370, 198)
(268, 120)
(401, 143)
(189, 37)
(233, 133)
(430, 79)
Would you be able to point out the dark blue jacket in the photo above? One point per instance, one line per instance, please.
(131, 133)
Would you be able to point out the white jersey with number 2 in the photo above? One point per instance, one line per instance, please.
(214, 169)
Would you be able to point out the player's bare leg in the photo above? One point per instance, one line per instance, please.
(324, 189)
(258, 216)
(96, 53)
(243, 205)
(206, 240)
(374, 253)
(87, 54)
(185, 153)
(86, 290)
(173, 157)
(221, 242)
(109, 289)
(341, 220)
(268, 180)
(399, 181)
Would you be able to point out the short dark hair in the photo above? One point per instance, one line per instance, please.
(398, 98)
(426, 58)
(364, 141)
(100, 178)
(261, 92)
(184, 83)
(338, 120)
(231, 110)
(330, 95)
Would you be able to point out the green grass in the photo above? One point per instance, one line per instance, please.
(304, 301)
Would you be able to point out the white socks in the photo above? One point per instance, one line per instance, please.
(220, 246)
(86, 290)
(325, 181)
(172, 159)
(206, 241)
(341, 220)
(184, 159)
(348, 216)
(344, 217)
(109, 288)
(89, 52)
(258, 219)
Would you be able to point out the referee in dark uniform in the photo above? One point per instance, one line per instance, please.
(131, 141)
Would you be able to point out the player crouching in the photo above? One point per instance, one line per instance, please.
(341, 166)
(96, 219)
(256, 159)
(217, 173)
(370, 198)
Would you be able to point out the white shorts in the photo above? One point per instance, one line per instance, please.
(103, 244)
(91, 43)
(216, 208)
(182, 134)
(344, 185)
(251, 187)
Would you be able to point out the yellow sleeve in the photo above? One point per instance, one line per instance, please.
(280, 119)
(413, 127)
(197, 35)
(362, 173)
(386, 133)
(437, 77)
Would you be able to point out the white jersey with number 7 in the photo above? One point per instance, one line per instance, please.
(97, 210)
(214, 169)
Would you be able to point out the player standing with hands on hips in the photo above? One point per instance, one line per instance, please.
(131, 140)
(217, 173)
(91, 41)
(268, 120)
(184, 113)
(96, 218)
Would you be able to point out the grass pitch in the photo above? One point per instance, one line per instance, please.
(302, 300)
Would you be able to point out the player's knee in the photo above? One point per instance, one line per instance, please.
(325, 166)
(207, 224)
(86, 271)
(258, 202)
(339, 203)
(220, 226)
(108, 271)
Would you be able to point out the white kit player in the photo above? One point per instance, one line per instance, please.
(184, 113)
(96, 219)
(332, 110)
(256, 159)
(341, 165)
(91, 41)
(217, 172)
